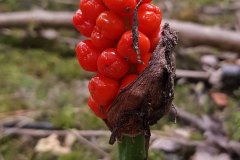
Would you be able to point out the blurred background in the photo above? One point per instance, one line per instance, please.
(43, 91)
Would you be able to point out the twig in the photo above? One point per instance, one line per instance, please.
(217, 10)
(45, 133)
(212, 139)
(69, 2)
(191, 34)
(92, 145)
(214, 131)
(199, 75)
(38, 18)
(203, 124)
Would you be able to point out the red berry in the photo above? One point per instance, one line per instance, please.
(145, 1)
(154, 39)
(101, 42)
(87, 55)
(149, 18)
(91, 9)
(100, 112)
(121, 7)
(127, 80)
(103, 89)
(83, 25)
(112, 65)
(145, 58)
(125, 49)
(111, 25)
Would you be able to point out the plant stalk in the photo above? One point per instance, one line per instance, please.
(132, 148)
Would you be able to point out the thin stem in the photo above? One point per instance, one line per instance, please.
(135, 32)
(132, 148)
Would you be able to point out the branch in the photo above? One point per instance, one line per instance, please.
(36, 17)
(220, 141)
(194, 34)
(44, 133)
(205, 123)
(213, 130)
(190, 74)
(191, 34)
(97, 149)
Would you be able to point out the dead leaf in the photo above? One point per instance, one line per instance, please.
(51, 144)
(220, 99)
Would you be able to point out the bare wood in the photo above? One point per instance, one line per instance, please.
(194, 34)
(190, 118)
(93, 146)
(199, 75)
(181, 114)
(220, 141)
(204, 123)
(214, 133)
(45, 133)
(190, 33)
(36, 17)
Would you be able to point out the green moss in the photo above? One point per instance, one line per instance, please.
(232, 125)
(211, 2)
(80, 152)
(156, 155)
(81, 117)
(65, 118)
(232, 116)
(185, 96)
(29, 76)
(13, 149)
(197, 136)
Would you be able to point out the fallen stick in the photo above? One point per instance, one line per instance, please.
(231, 146)
(44, 133)
(195, 34)
(214, 132)
(197, 75)
(191, 34)
(38, 18)
(204, 123)
(93, 146)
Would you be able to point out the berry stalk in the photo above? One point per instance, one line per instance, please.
(135, 32)
(132, 148)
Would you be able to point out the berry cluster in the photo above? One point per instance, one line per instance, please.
(109, 50)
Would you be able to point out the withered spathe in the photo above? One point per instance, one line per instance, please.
(149, 97)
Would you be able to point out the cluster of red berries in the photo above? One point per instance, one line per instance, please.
(109, 50)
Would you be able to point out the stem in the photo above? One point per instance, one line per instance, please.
(132, 148)
(135, 32)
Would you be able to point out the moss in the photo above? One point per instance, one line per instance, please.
(232, 116)
(14, 150)
(156, 155)
(80, 152)
(29, 76)
(81, 118)
(185, 96)
(197, 136)
(232, 125)
(211, 2)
